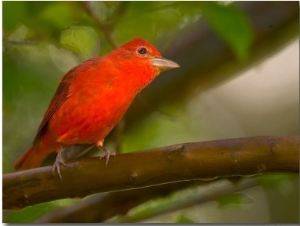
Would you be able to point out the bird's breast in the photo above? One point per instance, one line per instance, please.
(87, 117)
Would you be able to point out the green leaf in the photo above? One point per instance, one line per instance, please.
(271, 181)
(13, 13)
(82, 40)
(28, 214)
(153, 20)
(232, 25)
(236, 199)
(32, 213)
(182, 219)
(57, 15)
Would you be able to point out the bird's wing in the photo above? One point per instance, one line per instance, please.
(60, 96)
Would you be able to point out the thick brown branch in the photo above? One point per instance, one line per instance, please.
(191, 161)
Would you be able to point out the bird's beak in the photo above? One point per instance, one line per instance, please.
(164, 64)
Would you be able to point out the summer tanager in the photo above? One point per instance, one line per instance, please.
(91, 99)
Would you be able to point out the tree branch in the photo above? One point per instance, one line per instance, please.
(190, 161)
(215, 191)
(101, 207)
(105, 28)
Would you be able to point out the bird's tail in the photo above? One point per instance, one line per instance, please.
(32, 158)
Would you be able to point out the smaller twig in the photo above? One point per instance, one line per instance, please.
(153, 108)
(118, 134)
(9, 43)
(106, 29)
(215, 190)
(119, 12)
(101, 207)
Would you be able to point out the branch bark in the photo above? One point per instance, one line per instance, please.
(183, 162)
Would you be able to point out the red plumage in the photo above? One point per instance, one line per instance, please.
(92, 98)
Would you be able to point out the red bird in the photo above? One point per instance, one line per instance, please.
(91, 99)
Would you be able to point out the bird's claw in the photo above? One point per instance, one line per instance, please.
(107, 154)
(57, 164)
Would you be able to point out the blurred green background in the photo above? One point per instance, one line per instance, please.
(258, 95)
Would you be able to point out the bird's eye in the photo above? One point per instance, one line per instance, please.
(142, 50)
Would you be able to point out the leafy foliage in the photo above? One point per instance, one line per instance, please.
(235, 199)
(231, 24)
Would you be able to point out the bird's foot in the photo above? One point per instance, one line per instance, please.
(57, 164)
(107, 154)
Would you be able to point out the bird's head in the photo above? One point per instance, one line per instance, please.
(139, 51)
